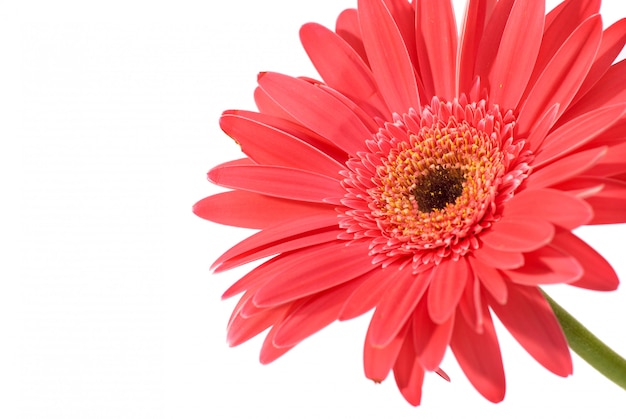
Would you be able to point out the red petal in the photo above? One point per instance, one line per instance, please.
(541, 127)
(377, 360)
(317, 110)
(242, 329)
(388, 56)
(280, 182)
(577, 132)
(562, 77)
(498, 258)
(479, 357)
(430, 339)
(598, 275)
(564, 168)
(437, 47)
(269, 351)
(518, 234)
(547, 266)
(312, 315)
(447, 282)
(396, 306)
(270, 146)
(341, 67)
(251, 210)
(476, 16)
(521, 38)
(613, 40)
(491, 279)
(312, 270)
(348, 28)
(609, 204)
(409, 374)
(529, 318)
(369, 293)
(552, 205)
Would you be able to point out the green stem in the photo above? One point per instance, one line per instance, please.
(589, 347)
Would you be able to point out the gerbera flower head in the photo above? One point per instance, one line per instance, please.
(433, 178)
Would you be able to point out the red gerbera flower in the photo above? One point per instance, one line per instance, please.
(434, 180)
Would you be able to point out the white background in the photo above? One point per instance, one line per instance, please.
(107, 307)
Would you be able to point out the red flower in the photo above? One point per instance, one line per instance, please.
(431, 183)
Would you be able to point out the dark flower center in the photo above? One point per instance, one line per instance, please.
(438, 188)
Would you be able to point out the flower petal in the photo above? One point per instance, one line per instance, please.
(547, 265)
(565, 168)
(529, 318)
(518, 234)
(378, 360)
(491, 279)
(280, 238)
(521, 38)
(349, 29)
(437, 47)
(598, 274)
(409, 374)
(430, 339)
(369, 293)
(270, 146)
(609, 203)
(280, 182)
(562, 77)
(252, 210)
(447, 282)
(388, 56)
(316, 110)
(479, 357)
(577, 132)
(549, 205)
(312, 270)
(396, 306)
(498, 258)
(312, 315)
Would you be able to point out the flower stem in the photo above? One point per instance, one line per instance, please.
(589, 347)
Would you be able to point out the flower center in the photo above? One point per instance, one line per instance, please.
(433, 181)
(438, 188)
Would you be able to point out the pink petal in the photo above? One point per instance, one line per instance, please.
(498, 258)
(242, 329)
(491, 279)
(565, 168)
(518, 234)
(549, 204)
(560, 23)
(598, 274)
(609, 204)
(447, 282)
(437, 47)
(609, 90)
(539, 130)
(280, 182)
(341, 67)
(547, 265)
(295, 130)
(577, 132)
(396, 306)
(270, 146)
(529, 318)
(562, 77)
(611, 163)
(476, 17)
(369, 293)
(388, 56)
(313, 270)
(312, 315)
(269, 351)
(409, 374)
(479, 357)
(316, 110)
(430, 339)
(251, 210)
(521, 38)
(470, 305)
(378, 360)
(349, 29)
(613, 40)
(280, 238)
